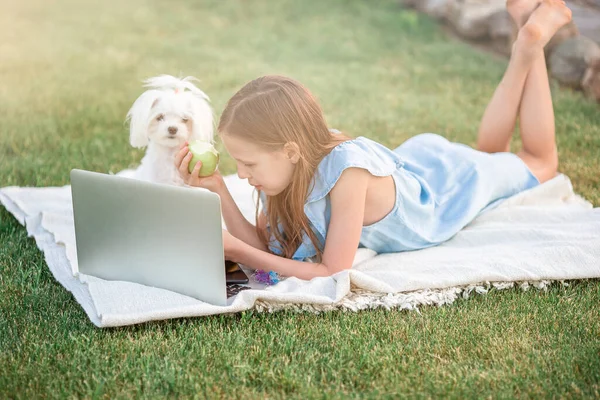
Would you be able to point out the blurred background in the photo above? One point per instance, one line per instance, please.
(70, 70)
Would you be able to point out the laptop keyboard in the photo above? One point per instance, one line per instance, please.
(234, 288)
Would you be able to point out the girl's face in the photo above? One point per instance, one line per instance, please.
(269, 171)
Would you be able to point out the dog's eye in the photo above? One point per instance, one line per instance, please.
(184, 120)
(160, 117)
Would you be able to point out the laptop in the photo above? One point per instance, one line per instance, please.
(155, 234)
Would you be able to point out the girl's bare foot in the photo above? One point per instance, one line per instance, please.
(520, 10)
(543, 23)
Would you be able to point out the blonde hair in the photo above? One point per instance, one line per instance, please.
(273, 111)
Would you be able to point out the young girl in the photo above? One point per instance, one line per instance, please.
(325, 194)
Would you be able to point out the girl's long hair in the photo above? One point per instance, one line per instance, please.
(272, 111)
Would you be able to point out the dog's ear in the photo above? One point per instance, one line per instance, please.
(203, 119)
(139, 117)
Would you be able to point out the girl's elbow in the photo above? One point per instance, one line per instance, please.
(334, 268)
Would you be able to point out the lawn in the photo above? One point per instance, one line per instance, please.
(70, 70)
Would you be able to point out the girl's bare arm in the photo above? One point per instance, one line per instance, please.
(347, 213)
(236, 223)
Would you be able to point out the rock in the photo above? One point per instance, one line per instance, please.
(436, 8)
(591, 3)
(576, 62)
(500, 25)
(591, 81)
(570, 60)
(568, 31)
(482, 19)
(500, 31)
(587, 19)
(470, 18)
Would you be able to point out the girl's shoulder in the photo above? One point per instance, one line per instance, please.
(360, 152)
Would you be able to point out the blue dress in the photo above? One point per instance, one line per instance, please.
(440, 187)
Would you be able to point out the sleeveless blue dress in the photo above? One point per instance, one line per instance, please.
(440, 187)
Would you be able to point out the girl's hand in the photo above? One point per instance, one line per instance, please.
(230, 245)
(214, 182)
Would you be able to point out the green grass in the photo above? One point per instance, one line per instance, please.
(70, 71)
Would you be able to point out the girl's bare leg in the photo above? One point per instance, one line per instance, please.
(525, 90)
(536, 123)
(498, 122)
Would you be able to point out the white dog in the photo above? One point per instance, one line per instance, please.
(170, 113)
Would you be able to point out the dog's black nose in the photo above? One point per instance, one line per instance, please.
(172, 130)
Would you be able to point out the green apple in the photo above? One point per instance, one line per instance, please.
(206, 153)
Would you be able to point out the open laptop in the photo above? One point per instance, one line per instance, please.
(154, 234)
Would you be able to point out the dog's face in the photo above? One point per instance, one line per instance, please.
(171, 122)
(170, 129)
(169, 118)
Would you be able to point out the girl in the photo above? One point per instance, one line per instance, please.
(325, 194)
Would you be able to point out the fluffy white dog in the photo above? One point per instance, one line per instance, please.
(171, 112)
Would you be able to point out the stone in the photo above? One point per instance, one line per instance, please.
(566, 32)
(591, 81)
(435, 8)
(500, 25)
(591, 3)
(576, 62)
(470, 18)
(587, 19)
(500, 31)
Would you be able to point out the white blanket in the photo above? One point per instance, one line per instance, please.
(547, 233)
